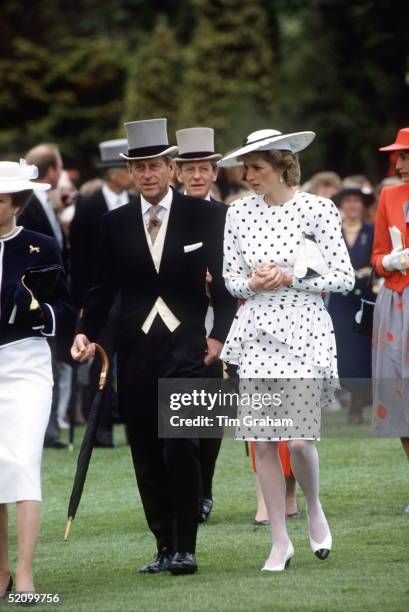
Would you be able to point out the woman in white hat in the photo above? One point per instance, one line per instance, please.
(26, 320)
(283, 248)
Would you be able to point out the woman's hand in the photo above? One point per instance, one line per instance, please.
(398, 259)
(82, 349)
(269, 278)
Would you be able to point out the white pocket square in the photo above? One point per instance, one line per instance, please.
(192, 247)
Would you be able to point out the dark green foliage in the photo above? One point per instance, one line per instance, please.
(348, 80)
(230, 73)
(71, 72)
(154, 75)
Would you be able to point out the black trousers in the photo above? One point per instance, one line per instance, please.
(209, 448)
(167, 470)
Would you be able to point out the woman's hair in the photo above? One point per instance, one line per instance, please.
(323, 179)
(286, 162)
(20, 199)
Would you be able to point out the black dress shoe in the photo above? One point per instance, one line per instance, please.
(161, 564)
(183, 563)
(207, 505)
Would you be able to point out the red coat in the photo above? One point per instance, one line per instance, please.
(390, 212)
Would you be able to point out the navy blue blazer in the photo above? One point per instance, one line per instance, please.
(23, 250)
(33, 217)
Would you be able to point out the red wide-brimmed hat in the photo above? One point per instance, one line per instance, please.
(401, 142)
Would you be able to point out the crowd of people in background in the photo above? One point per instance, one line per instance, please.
(360, 266)
(76, 204)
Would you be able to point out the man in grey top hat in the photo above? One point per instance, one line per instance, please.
(196, 170)
(196, 161)
(84, 239)
(156, 253)
(88, 212)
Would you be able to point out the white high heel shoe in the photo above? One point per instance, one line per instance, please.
(321, 549)
(281, 566)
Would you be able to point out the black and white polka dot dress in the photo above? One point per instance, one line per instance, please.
(285, 335)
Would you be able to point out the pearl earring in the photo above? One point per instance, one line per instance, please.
(281, 179)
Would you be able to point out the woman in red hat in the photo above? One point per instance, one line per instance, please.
(390, 350)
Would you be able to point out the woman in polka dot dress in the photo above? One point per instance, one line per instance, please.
(282, 337)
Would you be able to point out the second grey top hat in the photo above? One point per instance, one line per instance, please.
(147, 138)
(195, 144)
(110, 151)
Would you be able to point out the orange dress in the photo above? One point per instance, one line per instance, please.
(285, 458)
(390, 212)
(390, 344)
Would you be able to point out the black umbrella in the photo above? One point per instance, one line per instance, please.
(87, 445)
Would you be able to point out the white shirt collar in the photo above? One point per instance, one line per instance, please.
(207, 198)
(114, 200)
(42, 196)
(165, 202)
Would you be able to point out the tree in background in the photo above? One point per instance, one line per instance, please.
(344, 74)
(154, 77)
(229, 78)
(70, 72)
(72, 96)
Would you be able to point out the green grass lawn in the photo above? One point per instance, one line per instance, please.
(364, 485)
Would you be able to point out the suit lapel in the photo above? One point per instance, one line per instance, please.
(102, 203)
(175, 230)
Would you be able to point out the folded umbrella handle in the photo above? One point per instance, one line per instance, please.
(105, 366)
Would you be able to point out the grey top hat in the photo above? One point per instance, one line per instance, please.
(110, 150)
(148, 138)
(196, 144)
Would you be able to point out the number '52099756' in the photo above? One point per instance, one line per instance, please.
(24, 598)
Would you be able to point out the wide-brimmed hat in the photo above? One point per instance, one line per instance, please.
(196, 144)
(15, 177)
(146, 139)
(267, 140)
(110, 151)
(366, 195)
(401, 142)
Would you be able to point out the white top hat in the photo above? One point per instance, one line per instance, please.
(195, 144)
(110, 151)
(16, 177)
(267, 140)
(146, 139)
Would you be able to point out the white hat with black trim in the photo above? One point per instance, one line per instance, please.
(268, 140)
(15, 177)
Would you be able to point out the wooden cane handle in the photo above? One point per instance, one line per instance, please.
(105, 366)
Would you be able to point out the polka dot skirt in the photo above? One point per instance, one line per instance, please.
(288, 333)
